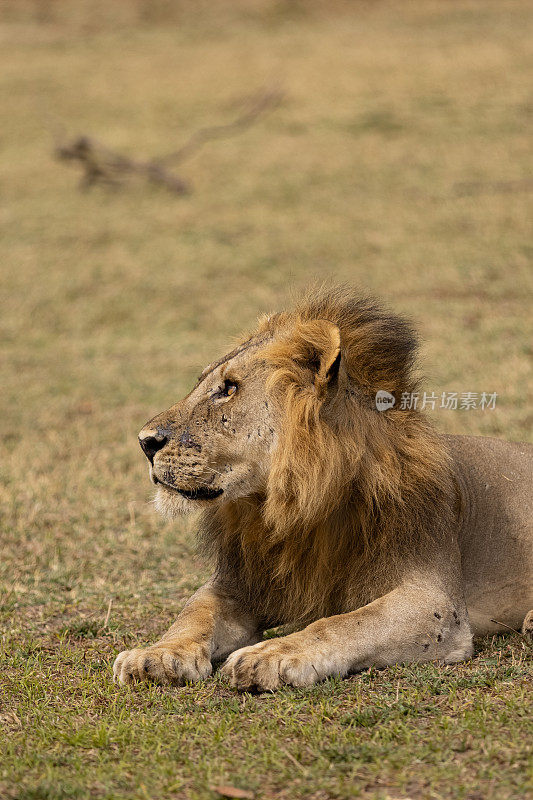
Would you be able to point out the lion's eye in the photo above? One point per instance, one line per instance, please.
(228, 389)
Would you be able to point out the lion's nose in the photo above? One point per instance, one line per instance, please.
(152, 443)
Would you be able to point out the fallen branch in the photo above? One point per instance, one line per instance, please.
(102, 165)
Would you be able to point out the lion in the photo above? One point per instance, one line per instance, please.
(374, 538)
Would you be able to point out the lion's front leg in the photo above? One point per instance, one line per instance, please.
(412, 623)
(210, 626)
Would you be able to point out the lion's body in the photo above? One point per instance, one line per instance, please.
(495, 529)
(389, 541)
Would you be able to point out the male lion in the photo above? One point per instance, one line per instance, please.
(389, 542)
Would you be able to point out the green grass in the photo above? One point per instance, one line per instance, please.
(413, 731)
(401, 161)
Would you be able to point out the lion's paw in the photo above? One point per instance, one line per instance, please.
(269, 665)
(166, 663)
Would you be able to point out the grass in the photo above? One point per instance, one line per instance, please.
(400, 161)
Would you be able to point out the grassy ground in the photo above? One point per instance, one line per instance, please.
(401, 161)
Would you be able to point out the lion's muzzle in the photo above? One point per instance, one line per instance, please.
(152, 442)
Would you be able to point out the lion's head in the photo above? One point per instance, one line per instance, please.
(289, 415)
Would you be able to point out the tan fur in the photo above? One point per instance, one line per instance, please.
(328, 512)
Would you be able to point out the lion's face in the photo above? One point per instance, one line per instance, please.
(214, 445)
(272, 418)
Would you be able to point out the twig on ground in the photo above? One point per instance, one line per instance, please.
(108, 613)
(497, 622)
(293, 760)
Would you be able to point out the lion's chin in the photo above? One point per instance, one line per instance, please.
(171, 503)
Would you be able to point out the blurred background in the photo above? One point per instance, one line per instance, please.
(397, 157)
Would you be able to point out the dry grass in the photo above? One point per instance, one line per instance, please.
(401, 161)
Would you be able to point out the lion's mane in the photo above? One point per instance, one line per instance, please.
(354, 495)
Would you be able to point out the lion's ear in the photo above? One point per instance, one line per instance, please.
(319, 350)
(309, 356)
(330, 355)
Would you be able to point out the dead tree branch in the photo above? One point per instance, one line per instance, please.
(102, 165)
